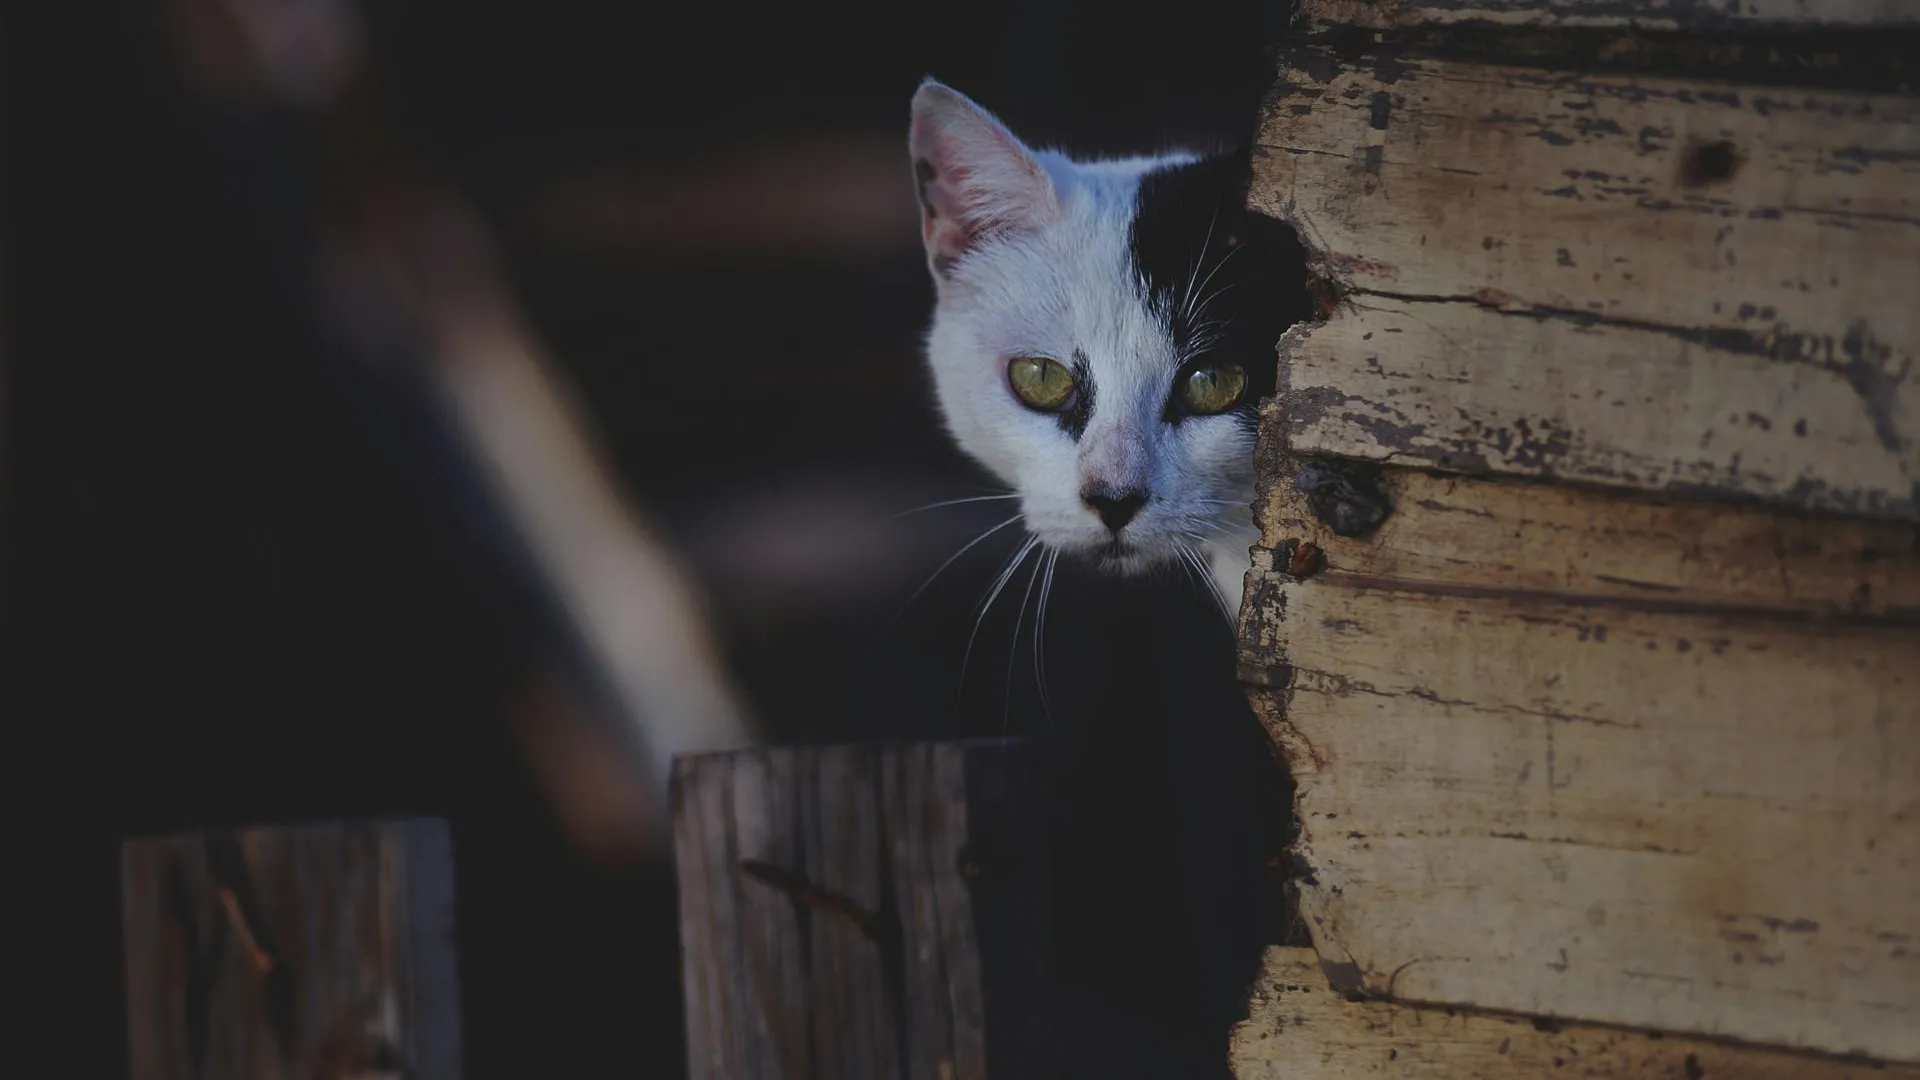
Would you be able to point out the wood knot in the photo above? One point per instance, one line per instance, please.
(1345, 495)
(1703, 163)
(809, 895)
(1306, 559)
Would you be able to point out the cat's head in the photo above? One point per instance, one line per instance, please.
(1103, 330)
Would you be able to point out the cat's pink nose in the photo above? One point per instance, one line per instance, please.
(1115, 508)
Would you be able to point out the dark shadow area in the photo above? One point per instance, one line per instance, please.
(245, 584)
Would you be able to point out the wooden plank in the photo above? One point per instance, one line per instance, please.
(1468, 389)
(1704, 822)
(1649, 283)
(1644, 15)
(312, 951)
(838, 811)
(859, 911)
(1501, 168)
(1299, 1028)
(1476, 533)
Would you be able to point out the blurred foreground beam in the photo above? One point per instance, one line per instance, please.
(865, 911)
(407, 277)
(314, 952)
(637, 617)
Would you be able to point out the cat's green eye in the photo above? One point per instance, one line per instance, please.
(1041, 383)
(1213, 388)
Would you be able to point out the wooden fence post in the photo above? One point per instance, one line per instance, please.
(316, 952)
(865, 911)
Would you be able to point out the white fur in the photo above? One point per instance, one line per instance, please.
(1051, 279)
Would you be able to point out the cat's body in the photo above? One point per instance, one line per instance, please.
(1102, 334)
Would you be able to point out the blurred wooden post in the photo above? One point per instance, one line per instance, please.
(865, 911)
(316, 952)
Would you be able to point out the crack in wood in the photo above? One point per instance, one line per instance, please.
(806, 893)
(1897, 618)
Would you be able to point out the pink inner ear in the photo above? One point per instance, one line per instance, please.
(944, 227)
(949, 227)
(973, 182)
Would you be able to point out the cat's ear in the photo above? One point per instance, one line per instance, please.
(976, 179)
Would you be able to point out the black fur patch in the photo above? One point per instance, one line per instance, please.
(1073, 418)
(1250, 286)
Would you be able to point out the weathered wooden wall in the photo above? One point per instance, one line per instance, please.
(1614, 718)
(1602, 758)
(315, 952)
(1649, 283)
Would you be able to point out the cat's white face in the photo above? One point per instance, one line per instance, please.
(1103, 332)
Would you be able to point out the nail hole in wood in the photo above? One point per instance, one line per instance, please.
(1708, 163)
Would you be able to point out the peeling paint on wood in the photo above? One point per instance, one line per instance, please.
(1298, 1028)
(1638, 14)
(1658, 284)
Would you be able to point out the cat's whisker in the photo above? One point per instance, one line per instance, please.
(1220, 292)
(1186, 302)
(1228, 257)
(1229, 530)
(1185, 564)
(1013, 647)
(999, 584)
(951, 559)
(1206, 573)
(1216, 545)
(1196, 568)
(1219, 598)
(1243, 537)
(1040, 634)
(1203, 337)
(1186, 524)
(951, 502)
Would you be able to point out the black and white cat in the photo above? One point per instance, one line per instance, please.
(1102, 333)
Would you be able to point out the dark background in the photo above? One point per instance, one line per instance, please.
(242, 587)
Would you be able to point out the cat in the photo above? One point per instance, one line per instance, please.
(1102, 333)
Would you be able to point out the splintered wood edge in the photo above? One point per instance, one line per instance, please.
(1303, 1024)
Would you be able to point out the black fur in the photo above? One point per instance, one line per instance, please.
(1253, 278)
(1073, 418)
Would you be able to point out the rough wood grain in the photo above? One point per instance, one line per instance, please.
(316, 952)
(865, 911)
(1693, 821)
(1644, 15)
(1299, 1028)
(1650, 283)
(1472, 533)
